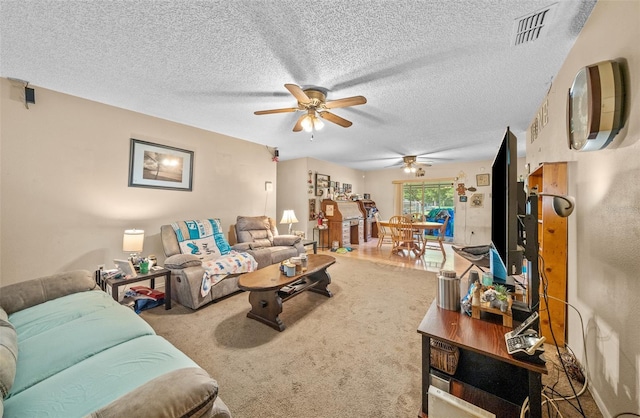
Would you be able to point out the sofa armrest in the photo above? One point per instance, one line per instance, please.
(23, 295)
(180, 261)
(285, 240)
(180, 393)
(242, 247)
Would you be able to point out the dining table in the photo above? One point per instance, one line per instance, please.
(417, 225)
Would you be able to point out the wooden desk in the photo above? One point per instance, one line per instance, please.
(484, 366)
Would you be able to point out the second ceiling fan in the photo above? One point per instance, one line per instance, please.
(313, 103)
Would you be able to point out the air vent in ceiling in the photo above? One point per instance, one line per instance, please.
(531, 27)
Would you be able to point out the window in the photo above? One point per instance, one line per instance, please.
(429, 200)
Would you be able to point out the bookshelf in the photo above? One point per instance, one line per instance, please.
(552, 238)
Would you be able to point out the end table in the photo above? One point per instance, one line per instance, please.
(114, 284)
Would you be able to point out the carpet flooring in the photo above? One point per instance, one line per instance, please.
(355, 354)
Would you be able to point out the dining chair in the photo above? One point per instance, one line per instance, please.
(403, 235)
(383, 233)
(439, 239)
(394, 222)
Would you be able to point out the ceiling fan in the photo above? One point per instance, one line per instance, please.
(411, 163)
(313, 103)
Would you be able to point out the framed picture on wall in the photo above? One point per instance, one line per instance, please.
(160, 166)
(482, 179)
(322, 182)
(312, 210)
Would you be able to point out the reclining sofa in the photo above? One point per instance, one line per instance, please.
(67, 349)
(256, 236)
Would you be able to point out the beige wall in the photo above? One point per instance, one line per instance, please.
(604, 265)
(65, 199)
(472, 226)
(293, 188)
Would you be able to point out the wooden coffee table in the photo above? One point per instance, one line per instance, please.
(266, 293)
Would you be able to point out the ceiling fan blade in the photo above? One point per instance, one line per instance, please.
(298, 93)
(268, 112)
(347, 101)
(298, 126)
(335, 119)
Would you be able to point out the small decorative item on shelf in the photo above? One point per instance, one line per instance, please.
(144, 266)
(492, 299)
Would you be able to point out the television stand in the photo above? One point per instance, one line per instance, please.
(487, 375)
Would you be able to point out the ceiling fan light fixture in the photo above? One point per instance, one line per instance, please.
(311, 122)
(307, 124)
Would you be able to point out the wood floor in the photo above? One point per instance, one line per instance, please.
(432, 260)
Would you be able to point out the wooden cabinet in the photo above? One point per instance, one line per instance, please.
(552, 238)
(346, 222)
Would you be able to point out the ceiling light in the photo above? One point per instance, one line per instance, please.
(311, 122)
(318, 123)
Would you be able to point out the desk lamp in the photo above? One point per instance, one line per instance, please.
(132, 242)
(289, 217)
(562, 205)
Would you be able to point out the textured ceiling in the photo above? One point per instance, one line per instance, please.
(443, 79)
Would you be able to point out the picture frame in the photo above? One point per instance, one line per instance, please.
(160, 166)
(126, 266)
(477, 200)
(312, 210)
(463, 199)
(482, 179)
(322, 182)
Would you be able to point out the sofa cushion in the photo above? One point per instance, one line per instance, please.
(260, 243)
(286, 240)
(250, 228)
(272, 255)
(103, 322)
(8, 354)
(96, 381)
(203, 238)
(243, 246)
(180, 261)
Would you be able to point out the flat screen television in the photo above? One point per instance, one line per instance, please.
(504, 206)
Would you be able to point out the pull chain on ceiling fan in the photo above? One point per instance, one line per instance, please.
(313, 102)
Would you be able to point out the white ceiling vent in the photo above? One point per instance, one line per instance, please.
(531, 27)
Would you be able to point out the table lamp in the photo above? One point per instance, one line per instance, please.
(289, 217)
(132, 242)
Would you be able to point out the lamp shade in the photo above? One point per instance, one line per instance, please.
(133, 240)
(289, 217)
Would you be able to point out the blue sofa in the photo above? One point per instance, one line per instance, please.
(67, 349)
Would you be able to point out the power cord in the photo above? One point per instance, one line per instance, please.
(545, 282)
